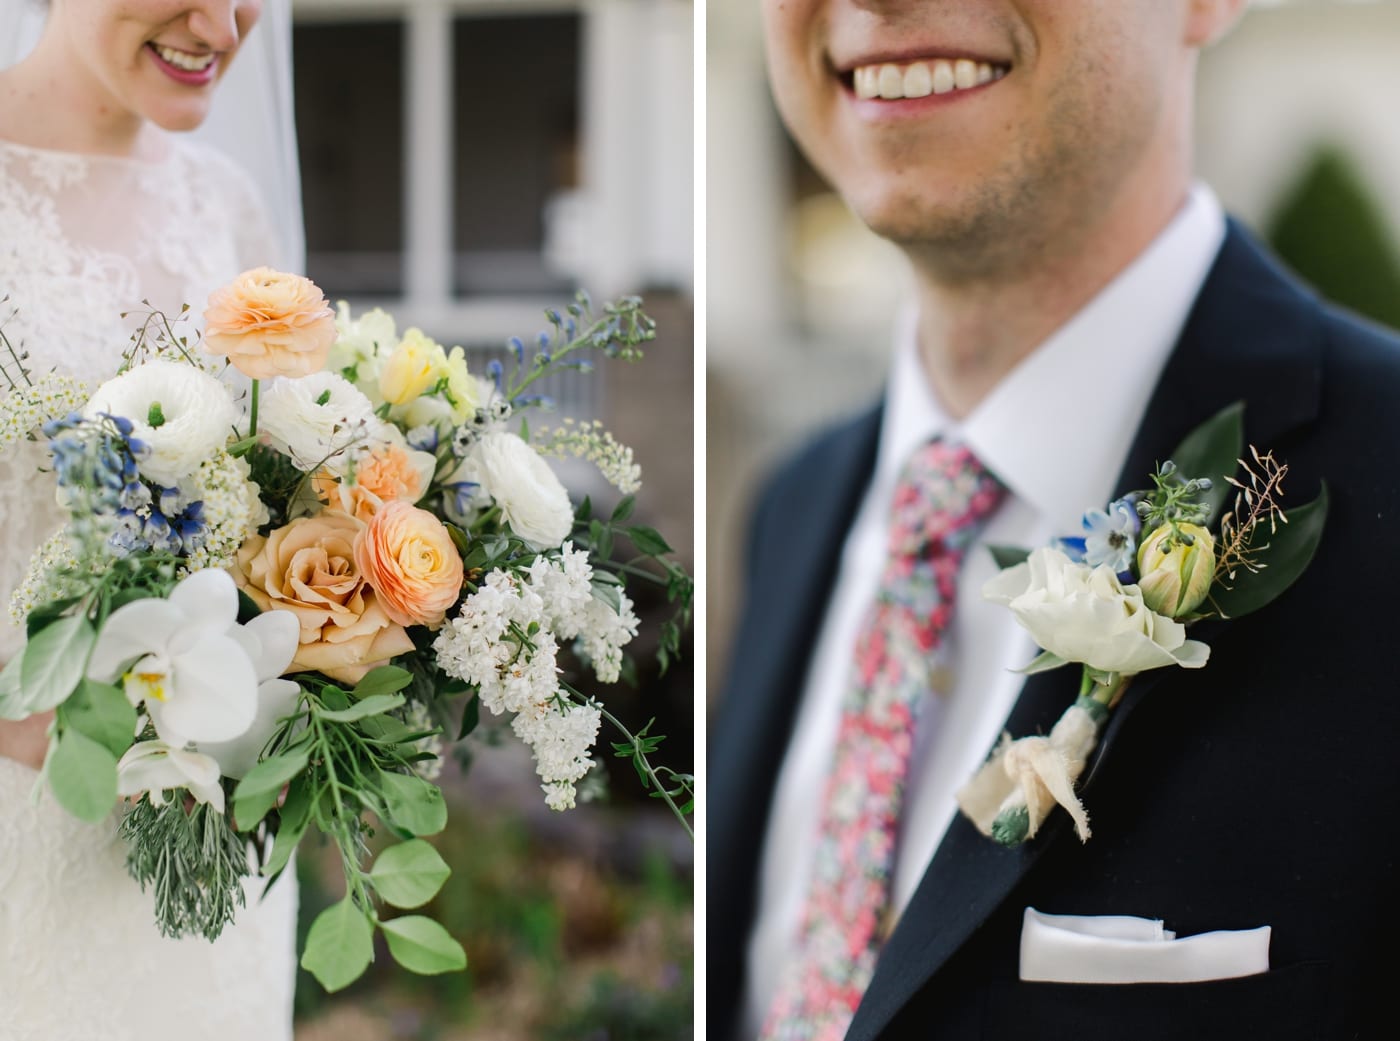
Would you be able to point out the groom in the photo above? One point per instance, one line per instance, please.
(1081, 306)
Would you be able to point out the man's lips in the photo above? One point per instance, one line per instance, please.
(891, 80)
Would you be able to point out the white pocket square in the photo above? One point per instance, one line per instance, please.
(1122, 949)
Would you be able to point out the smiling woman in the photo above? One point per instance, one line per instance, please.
(107, 215)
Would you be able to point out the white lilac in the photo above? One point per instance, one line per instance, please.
(604, 633)
(561, 741)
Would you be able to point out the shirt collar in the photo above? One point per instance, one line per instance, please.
(1057, 429)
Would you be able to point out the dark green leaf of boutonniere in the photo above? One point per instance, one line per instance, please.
(1008, 556)
(1288, 552)
(1212, 450)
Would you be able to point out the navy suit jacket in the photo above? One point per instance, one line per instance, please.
(1261, 790)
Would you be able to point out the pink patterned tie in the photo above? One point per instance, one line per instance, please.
(943, 499)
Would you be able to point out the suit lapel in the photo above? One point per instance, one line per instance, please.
(1251, 335)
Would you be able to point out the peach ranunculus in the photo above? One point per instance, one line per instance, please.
(388, 472)
(269, 323)
(408, 557)
(309, 569)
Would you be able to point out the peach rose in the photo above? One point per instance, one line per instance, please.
(270, 324)
(388, 473)
(308, 568)
(408, 557)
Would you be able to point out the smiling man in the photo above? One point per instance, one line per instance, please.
(1080, 306)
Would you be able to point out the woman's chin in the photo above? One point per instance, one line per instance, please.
(179, 117)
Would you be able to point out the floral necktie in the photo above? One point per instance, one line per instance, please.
(943, 499)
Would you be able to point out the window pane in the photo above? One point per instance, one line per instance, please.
(349, 107)
(516, 147)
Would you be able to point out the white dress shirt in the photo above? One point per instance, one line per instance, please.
(1056, 431)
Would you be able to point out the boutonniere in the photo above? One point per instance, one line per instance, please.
(1209, 539)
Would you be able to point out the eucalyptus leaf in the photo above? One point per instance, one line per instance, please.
(339, 946)
(371, 706)
(1287, 555)
(103, 713)
(83, 775)
(258, 791)
(414, 806)
(1213, 450)
(420, 945)
(54, 662)
(409, 874)
(1008, 556)
(11, 693)
(386, 679)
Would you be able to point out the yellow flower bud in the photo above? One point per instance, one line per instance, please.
(461, 386)
(416, 364)
(1176, 576)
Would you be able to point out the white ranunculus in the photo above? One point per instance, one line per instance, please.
(181, 413)
(314, 419)
(532, 501)
(1085, 614)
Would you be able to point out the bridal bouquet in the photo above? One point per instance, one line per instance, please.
(1120, 598)
(262, 620)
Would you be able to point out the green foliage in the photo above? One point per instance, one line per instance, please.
(1212, 451)
(1008, 556)
(410, 874)
(1332, 231)
(1283, 559)
(103, 713)
(54, 662)
(421, 945)
(83, 775)
(340, 946)
(194, 861)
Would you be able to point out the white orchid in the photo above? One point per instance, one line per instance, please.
(270, 641)
(179, 657)
(153, 767)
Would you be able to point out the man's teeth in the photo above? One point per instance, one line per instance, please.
(918, 79)
(185, 60)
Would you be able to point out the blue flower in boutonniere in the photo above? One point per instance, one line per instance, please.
(1118, 608)
(1111, 537)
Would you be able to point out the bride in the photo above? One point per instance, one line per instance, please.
(102, 207)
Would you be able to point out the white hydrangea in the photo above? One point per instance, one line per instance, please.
(29, 406)
(313, 420)
(182, 414)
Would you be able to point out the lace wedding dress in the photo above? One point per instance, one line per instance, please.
(82, 240)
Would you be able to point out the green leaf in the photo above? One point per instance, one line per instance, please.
(624, 509)
(471, 717)
(241, 448)
(409, 874)
(648, 541)
(1289, 552)
(1044, 662)
(293, 819)
(11, 693)
(1213, 450)
(420, 945)
(584, 511)
(45, 614)
(339, 946)
(372, 706)
(83, 775)
(102, 712)
(414, 806)
(258, 791)
(54, 662)
(1008, 556)
(386, 679)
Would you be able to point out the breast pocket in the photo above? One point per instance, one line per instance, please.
(1290, 1004)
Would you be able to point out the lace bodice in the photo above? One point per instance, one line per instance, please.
(82, 240)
